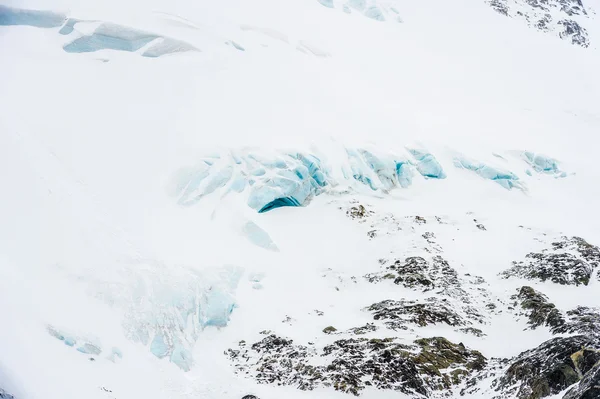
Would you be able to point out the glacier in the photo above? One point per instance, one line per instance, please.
(107, 36)
(504, 178)
(543, 164)
(38, 18)
(291, 179)
(427, 164)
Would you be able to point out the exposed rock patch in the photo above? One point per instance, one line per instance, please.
(351, 365)
(570, 261)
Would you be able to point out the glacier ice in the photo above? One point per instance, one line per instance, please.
(110, 36)
(107, 36)
(543, 164)
(427, 165)
(379, 172)
(38, 18)
(258, 236)
(374, 13)
(166, 310)
(505, 178)
(291, 179)
(89, 348)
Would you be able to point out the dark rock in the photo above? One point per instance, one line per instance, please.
(547, 369)
(417, 273)
(588, 388)
(581, 320)
(439, 354)
(353, 364)
(250, 397)
(358, 212)
(500, 6)
(568, 262)
(572, 30)
(397, 314)
(329, 330)
(537, 308)
(369, 327)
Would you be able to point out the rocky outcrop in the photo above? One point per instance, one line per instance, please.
(536, 307)
(398, 315)
(570, 261)
(548, 369)
(581, 320)
(588, 388)
(562, 18)
(351, 365)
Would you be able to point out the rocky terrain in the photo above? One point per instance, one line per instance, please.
(391, 351)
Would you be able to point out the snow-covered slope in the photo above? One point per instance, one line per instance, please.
(303, 199)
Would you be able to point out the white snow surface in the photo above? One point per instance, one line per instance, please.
(94, 244)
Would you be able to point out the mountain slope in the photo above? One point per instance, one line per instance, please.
(300, 199)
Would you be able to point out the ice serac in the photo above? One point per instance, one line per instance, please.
(378, 172)
(290, 182)
(427, 165)
(107, 36)
(38, 18)
(168, 312)
(112, 37)
(505, 178)
(543, 164)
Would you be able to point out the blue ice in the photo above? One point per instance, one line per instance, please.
(89, 348)
(67, 340)
(427, 165)
(286, 189)
(37, 18)
(69, 26)
(258, 236)
(113, 37)
(218, 308)
(374, 13)
(505, 178)
(159, 346)
(543, 164)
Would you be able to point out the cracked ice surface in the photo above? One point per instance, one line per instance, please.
(38, 18)
(107, 36)
(503, 177)
(543, 164)
(427, 165)
(165, 309)
(291, 179)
